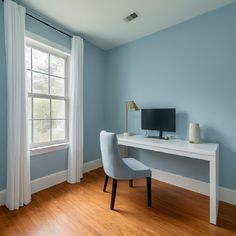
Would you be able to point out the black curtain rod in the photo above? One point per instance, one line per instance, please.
(47, 24)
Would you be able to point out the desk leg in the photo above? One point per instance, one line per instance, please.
(214, 188)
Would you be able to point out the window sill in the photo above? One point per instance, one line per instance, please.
(47, 149)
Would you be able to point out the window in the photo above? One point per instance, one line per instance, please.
(47, 95)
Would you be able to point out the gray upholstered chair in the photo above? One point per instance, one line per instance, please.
(121, 168)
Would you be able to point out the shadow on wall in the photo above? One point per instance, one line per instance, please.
(182, 123)
(210, 134)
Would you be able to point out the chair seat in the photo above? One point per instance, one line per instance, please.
(140, 170)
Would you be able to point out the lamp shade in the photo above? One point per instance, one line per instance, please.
(132, 106)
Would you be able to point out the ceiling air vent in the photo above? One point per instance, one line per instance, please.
(131, 17)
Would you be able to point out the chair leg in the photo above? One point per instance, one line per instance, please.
(113, 195)
(131, 183)
(105, 183)
(149, 191)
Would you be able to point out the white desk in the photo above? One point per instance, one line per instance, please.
(205, 151)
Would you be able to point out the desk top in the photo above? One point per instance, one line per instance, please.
(172, 146)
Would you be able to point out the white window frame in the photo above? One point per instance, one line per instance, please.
(44, 147)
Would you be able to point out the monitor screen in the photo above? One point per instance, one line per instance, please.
(159, 119)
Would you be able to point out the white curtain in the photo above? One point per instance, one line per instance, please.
(75, 155)
(18, 190)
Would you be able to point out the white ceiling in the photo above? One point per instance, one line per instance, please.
(101, 21)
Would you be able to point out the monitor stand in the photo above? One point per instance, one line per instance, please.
(157, 137)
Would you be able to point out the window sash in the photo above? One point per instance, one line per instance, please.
(43, 73)
(66, 119)
(49, 51)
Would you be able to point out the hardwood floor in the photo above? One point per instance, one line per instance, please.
(83, 209)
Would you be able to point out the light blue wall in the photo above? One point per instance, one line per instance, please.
(191, 66)
(42, 165)
(94, 100)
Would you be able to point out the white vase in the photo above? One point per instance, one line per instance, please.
(194, 133)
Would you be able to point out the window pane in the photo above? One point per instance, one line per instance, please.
(28, 58)
(58, 129)
(28, 81)
(57, 86)
(29, 107)
(58, 109)
(57, 66)
(39, 61)
(41, 108)
(40, 83)
(41, 131)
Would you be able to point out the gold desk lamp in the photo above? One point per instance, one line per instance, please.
(132, 106)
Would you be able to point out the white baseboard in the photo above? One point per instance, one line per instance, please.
(92, 165)
(59, 177)
(228, 195)
(181, 181)
(53, 179)
(225, 194)
(48, 181)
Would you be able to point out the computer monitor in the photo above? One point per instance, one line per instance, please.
(163, 119)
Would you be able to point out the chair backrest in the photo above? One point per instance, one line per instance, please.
(112, 162)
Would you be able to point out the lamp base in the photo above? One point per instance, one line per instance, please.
(127, 134)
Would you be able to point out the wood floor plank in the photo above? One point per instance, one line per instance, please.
(84, 209)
